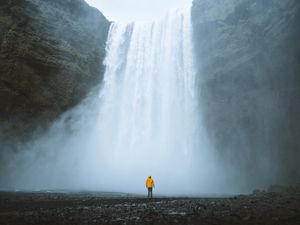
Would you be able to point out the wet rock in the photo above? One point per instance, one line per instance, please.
(248, 55)
(51, 55)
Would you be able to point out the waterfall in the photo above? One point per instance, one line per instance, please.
(143, 120)
(148, 118)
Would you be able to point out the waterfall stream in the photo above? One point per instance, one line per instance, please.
(148, 117)
(143, 120)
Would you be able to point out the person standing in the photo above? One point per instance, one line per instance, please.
(150, 186)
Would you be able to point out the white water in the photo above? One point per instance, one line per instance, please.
(146, 120)
(149, 121)
(148, 117)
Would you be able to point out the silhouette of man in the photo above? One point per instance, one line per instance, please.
(150, 186)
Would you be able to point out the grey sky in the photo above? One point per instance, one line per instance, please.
(133, 10)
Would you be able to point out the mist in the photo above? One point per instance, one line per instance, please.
(180, 100)
(144, 119)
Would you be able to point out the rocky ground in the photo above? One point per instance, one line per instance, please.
(276, 207)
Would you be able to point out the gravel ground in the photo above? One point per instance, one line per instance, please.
(16, 208)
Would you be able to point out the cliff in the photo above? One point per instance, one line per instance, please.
(50, 56)
(248, 59)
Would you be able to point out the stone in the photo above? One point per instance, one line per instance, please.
(51, 56)
(248, 55)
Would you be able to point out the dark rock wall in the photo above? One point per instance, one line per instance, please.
(248, 59)
(50, 57)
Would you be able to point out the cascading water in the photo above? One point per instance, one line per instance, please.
(146, 121)
(149, 119)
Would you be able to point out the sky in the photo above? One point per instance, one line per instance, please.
(135, 10)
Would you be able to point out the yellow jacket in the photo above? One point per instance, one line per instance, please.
(149, 182)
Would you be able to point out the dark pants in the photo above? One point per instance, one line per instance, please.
(149, 192)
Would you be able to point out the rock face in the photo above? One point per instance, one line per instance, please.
(248, 58)
(50, 56)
